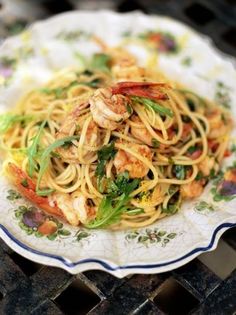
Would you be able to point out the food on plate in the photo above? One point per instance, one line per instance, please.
(113, 146)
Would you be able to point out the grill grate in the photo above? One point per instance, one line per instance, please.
(30, 288)
(191, 289)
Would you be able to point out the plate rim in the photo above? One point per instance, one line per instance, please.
(119, 271)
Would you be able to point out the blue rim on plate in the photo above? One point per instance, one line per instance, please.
(108, 267)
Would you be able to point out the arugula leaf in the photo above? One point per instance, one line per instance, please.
(119, 185)
(106, 153)
(180, 171)
(111, 208)
(44, 161)
(174, 202)
(8, 120)
(32, 151)
(60, 91)
(135, 211)
(150, 104)
(101, 62)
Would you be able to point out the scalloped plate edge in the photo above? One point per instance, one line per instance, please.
(108, 266)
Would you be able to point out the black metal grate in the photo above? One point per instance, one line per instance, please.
(30, 288)
(191, 289)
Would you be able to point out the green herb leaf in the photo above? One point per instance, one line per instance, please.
(95, 83)
(233, 148)
(44, 161)
(32, 151)
(59, 92)
(199, 176)
(174, 202)
(24, 182)
(8, 120)
(129, 109)
(45, 192)
(155, 143)
(114, 204)
(105, 154)
(150, 104)
(135, 211)
(101, 62)
(212, 174)
(192, 149)
(180, 171)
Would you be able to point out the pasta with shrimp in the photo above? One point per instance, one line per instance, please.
(114, 145)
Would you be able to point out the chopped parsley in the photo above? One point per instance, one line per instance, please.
(106, 153)
(180, 171)
(155, 143)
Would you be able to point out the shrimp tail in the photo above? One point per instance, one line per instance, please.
(27, 188)
(142, 89)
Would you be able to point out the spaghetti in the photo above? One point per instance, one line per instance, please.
(107, 147)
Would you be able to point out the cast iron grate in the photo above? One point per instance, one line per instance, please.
(196, 288)
(199, 14)
(191, 289)
(174, 299)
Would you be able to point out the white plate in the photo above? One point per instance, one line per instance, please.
(32, 59)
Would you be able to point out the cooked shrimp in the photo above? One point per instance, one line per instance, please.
(140, 132)
(191, 190)
(70, 127)
(111, 106)
(133, 72)
(74, 207)
(121, 57)
(218, 127)
(64, 202)
(109, 110)
(230, 175)
(206, 165)
(126, 162)
(18, 176)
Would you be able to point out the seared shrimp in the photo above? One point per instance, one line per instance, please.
(124, 65)
(126, 162)
(109, 110)
(17, 177)
(218, 125)
(133, 72)
(70, 127)
(207, 164)
(121, 57)
(74, 207)
(191, 190)
(111, 106)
